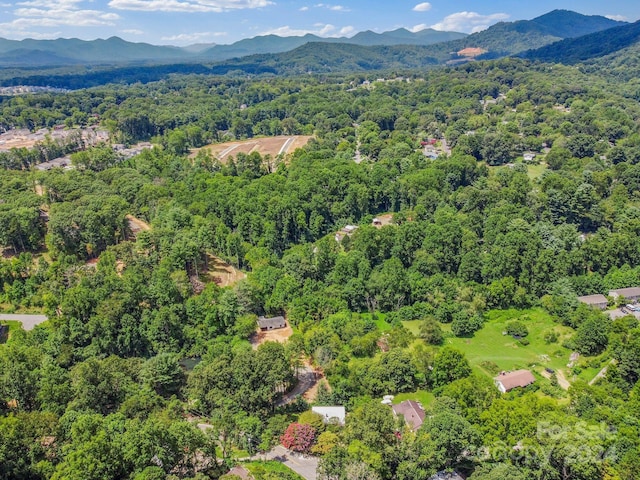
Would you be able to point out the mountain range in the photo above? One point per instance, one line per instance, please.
(558, 36)
(72, 51)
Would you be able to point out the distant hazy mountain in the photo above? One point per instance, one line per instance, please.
(111, 50)
(276, 44)
(198, 47)
(115, 50)
(23, 57)
(586, 47)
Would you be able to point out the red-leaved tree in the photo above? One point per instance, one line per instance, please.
(299, 437)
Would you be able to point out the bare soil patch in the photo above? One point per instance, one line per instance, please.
(136, 225)
(311, 395)
(384, 219)
(562, 380)
(221, 272)
(281, 335)
(264, 146)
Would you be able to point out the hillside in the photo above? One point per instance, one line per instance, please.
(599, 44)
(332, 58)
(508, 38)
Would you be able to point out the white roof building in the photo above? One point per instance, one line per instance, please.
(331, 414)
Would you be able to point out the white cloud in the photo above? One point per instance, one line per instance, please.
(469, 22)
(335, 8)
(133, 31)
(304, 9)
(346, 31)
(619, 18)
(321, 30)
(188, 5)
(192, 37)
(35, 35)
(422, 7)
(418, 28)
(53, 13)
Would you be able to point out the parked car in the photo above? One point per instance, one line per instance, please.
(549, 370)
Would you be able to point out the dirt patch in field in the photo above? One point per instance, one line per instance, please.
(281, 335)
(273, 146)
(221, 272)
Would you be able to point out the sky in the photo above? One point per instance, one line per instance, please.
(185, 22)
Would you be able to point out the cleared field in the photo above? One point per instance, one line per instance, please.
(490, 346)
(273, 146)
(490, 351)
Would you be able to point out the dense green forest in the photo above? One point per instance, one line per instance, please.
(480, 242)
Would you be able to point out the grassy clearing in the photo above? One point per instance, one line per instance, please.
(271, 470)
(536, 170)
(413, 326)
(489, 349)
(422, 396)
(379, 320)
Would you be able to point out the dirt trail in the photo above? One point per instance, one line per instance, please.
(602, 372)
(562, 380)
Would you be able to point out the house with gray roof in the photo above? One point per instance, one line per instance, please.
(271, 323)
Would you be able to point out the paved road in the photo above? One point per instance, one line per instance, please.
(306, 466)
(28, 321)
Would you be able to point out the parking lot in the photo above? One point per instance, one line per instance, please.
(617, 313)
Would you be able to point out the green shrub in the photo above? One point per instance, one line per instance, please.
(517, 329)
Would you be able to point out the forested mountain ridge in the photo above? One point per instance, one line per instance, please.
(587, 47)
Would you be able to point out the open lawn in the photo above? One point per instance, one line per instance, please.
(535, 170)
(380, 322)
(413, 326)
(271, 469)
(490, 351)
(424, 397)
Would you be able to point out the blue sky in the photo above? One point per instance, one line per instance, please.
(183, 22)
